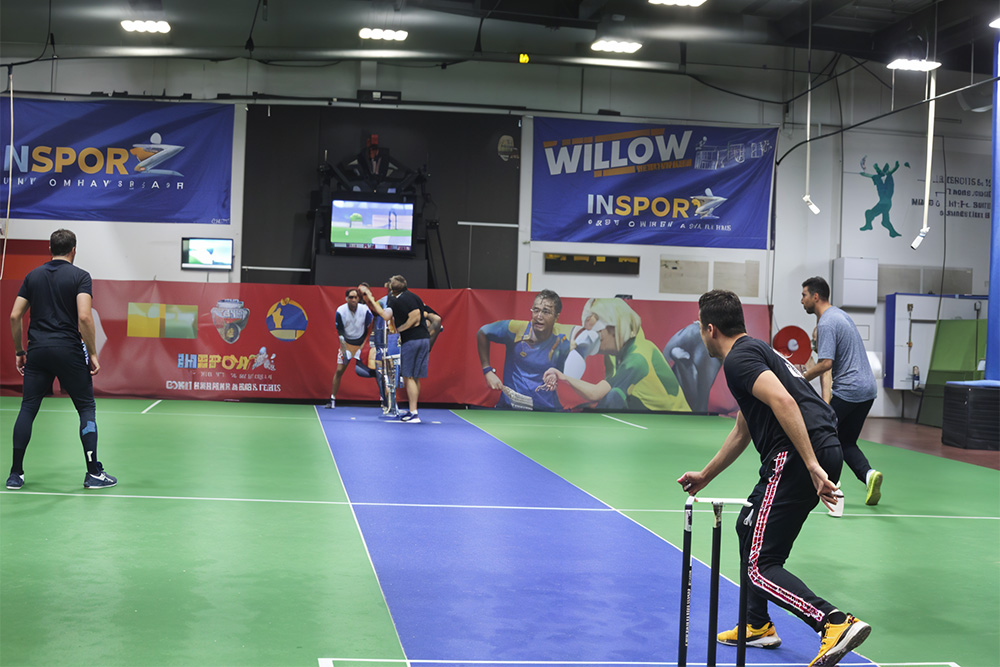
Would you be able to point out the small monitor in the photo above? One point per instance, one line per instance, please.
(370, 222)
(207, 254)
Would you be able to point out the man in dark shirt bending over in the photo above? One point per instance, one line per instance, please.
(406, 310)
(60, 345)
(795, 433)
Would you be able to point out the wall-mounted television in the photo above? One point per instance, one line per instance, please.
(207, 254)
(371, 222)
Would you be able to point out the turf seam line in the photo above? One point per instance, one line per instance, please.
(644, 428)
(361, 533)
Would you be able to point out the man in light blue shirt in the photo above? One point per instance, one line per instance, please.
(841, 350)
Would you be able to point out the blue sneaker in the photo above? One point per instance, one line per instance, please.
(15, 481)
(410, 418)
(101, 480)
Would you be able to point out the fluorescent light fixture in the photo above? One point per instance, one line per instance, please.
(380, 33)
(914, 65)
(812, 207)
(678, 3)
(995, 23)
(146, 26)
(614, 46)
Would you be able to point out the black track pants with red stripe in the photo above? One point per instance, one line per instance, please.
(782, 500)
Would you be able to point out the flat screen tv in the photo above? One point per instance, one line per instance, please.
(207, 254)
(369, 222)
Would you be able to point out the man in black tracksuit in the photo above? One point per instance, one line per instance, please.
(60, 345)
(795, 433)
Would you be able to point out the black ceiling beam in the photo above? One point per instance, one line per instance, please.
(943, 16)
(549, 13)
(797, 22)
(591, 9)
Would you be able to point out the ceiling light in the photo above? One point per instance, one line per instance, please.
(614, 46)
(995, 23)
(678, 3)
(146, 26)
(914, 65)
(386, 34)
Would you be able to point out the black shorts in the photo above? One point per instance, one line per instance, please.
(71, 365)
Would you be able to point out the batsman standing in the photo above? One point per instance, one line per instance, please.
(795, 433)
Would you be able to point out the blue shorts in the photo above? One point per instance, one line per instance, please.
(413, 361)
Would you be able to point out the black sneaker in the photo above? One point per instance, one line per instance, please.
(410, 418)
(102, 480)
(15, 481)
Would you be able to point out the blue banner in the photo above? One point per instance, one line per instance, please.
(120, 161)
(677, 185)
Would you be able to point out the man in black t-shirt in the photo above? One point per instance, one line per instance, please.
(406, 311)
(60, 345)
(795, 433)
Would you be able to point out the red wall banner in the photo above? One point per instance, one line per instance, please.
(241, 341)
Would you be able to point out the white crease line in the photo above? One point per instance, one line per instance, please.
(167, 414)
(535, 508)
(122, 495)
(625, 422)
(151, 407)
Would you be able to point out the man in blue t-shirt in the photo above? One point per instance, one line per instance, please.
(532, 347)
(795, 433)
(60, 345)
(840, 349)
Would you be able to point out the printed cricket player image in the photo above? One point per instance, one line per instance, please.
(637, 377)
(533, 346)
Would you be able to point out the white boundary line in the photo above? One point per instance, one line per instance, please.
(644, 428)
(151, 406)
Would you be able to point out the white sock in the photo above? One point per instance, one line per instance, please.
(868, 476)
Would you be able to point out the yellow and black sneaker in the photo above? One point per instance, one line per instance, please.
(874, 488)
(762, 637)
(839, 639)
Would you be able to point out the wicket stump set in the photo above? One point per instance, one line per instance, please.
(713, 609)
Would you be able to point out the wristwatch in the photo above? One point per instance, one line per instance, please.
(22, 353)
(488, 369)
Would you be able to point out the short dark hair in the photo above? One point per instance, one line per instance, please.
(353, 289)
(819, 286)
(723, 310)
(549, 295)
(62, 242)
(399, 281)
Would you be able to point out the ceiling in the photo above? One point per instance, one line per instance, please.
(557, 32)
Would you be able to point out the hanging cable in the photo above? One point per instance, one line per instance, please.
(944, 232)
(10, 170)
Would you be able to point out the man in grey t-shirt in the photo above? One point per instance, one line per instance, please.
(841, 349)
